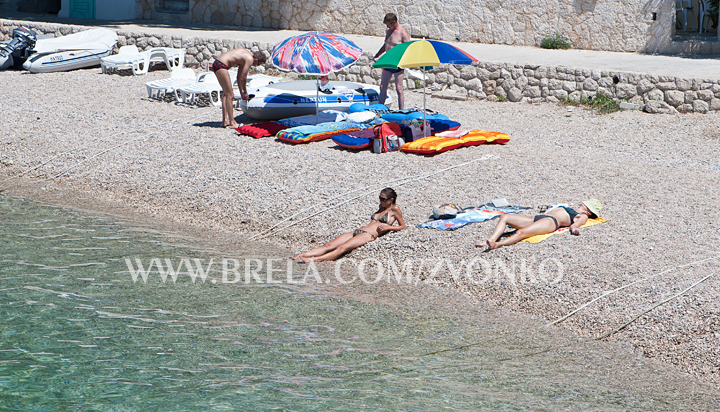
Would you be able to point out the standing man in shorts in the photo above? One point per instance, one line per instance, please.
(394, 35)
(242, 59)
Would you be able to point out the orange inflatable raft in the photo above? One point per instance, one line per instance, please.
(442, 142)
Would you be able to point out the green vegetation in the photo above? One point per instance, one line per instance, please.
(712, 12)
(502, 98)
(600, 103)
(555, 41)
(306, 77)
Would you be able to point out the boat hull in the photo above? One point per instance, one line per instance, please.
(65, 60)
(298, 98)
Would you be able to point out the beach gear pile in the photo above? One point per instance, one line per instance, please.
(377, 128)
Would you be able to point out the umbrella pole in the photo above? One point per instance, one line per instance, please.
(317, 98)
(424, 105)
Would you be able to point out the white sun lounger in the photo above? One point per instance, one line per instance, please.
(130, 58)
(178, 78)
(206, 83)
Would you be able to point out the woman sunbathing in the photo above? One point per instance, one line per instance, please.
(554, 219)
(381, 222)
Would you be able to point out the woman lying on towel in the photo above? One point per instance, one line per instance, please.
(381, 222)
(551, 221)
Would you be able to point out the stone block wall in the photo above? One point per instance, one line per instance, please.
(483, 80)
(612, 25)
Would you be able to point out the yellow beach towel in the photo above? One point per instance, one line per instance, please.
(540, 238)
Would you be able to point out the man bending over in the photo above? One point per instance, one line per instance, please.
(394, 35)
(242, 59)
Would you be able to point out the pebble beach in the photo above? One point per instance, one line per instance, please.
(97, 142)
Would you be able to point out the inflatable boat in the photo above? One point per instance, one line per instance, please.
(75, 51)
(298, 98)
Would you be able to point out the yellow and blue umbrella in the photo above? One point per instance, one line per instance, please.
(425, 54)
(422, 53)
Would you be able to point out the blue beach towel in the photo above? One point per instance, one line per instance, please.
(471, 215)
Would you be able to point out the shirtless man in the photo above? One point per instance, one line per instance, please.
(394, 35)
(242, 59)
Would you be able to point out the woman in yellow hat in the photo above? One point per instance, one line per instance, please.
(549, 222)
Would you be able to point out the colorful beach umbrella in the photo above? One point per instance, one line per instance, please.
(317, 53)
(425, 54)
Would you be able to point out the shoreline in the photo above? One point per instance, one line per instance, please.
(179, 167)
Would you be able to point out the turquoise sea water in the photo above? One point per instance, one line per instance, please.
(77, 333)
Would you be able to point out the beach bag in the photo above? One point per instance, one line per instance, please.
(415, 129)
(387, 138)
(446, 211)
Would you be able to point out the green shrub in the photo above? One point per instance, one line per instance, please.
(555, 41)
(712, 12)
(604, 104)
(600, 103)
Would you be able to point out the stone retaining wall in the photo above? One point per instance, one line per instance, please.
(492, 81)
(613, 25)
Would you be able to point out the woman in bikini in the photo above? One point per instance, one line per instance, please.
(551, 221)
(381, 222)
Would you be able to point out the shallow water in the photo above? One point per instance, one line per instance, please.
(78, 333)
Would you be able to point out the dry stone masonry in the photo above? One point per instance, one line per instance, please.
(491, 81)
(612, 25)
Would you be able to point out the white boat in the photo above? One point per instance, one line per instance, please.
(75, 51)
(297, 98)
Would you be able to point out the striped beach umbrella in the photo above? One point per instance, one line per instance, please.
(422, 53)
(425, 54)
(315, 53)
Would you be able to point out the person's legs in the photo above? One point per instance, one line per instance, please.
(399, 87)
(225, 81)
(327, 247)
(515, 221)
(541, 227)
(384, 81)
(353, 243)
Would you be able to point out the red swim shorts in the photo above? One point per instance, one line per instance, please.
(217, 65)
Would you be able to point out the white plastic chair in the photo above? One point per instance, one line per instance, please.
(178, 78)
(683, 6)
(702, 8)
(206, 83)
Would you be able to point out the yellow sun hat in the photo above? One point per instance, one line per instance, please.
(594, 206)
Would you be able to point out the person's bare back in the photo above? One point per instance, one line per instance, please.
(242, 59)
